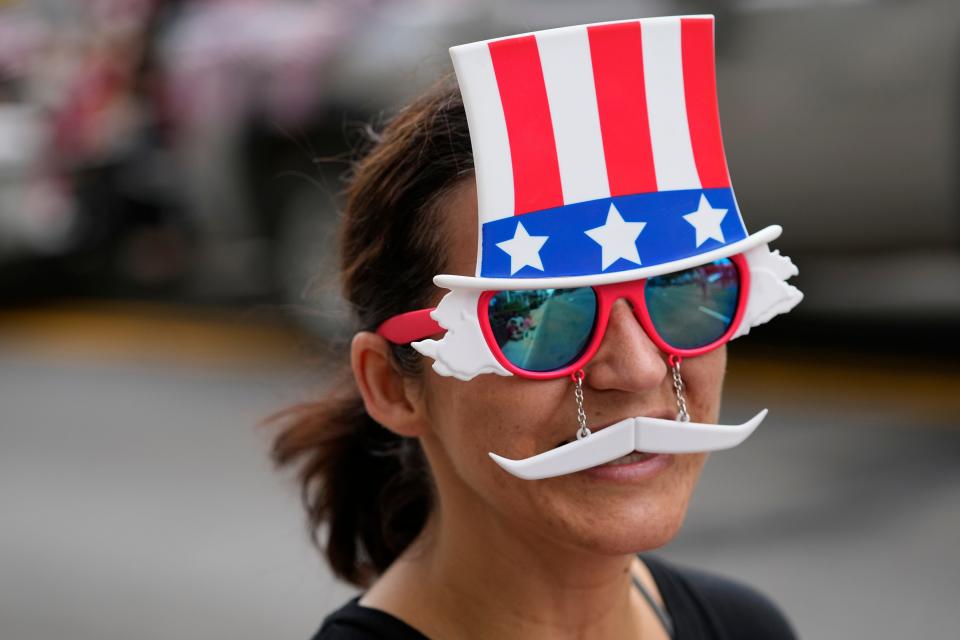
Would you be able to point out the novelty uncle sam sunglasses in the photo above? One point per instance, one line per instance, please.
(601, 175)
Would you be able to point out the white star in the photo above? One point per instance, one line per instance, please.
(524, 249)
(617, 239)
(706, 220)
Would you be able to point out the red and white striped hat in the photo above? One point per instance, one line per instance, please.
(598, 154)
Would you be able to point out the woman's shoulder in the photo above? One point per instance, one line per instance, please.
(353, 621)
(707, 605)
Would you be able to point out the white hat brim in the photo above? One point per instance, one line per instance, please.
(763, 236)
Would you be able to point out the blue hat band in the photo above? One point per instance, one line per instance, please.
(610, 234)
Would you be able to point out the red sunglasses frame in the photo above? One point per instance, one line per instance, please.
(417, 325)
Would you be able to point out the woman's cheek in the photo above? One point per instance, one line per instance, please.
(703, 380)
(503, 415)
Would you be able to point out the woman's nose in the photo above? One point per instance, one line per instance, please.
(627, 359)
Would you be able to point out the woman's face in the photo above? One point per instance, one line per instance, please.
(517, 418)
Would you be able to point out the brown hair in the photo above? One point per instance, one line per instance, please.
(370, 488)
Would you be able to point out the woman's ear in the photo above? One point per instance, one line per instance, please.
(386, 395)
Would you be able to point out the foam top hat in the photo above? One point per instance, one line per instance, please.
(598, 154)
(598, 159)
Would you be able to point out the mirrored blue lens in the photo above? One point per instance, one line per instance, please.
(542, 329)
(694, 307)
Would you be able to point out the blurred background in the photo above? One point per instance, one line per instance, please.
(169, 178)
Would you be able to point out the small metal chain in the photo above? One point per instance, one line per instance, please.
(583, 431)
(678, 388)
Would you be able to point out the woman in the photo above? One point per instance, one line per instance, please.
(394, 461)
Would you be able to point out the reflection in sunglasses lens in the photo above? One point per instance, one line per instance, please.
(694, 307)
(542, 329)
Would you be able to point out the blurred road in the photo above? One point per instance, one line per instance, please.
(137, 500)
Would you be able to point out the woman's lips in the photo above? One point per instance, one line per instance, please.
(631, 458)
(633, 467)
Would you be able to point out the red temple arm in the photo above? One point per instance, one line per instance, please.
(409, 327)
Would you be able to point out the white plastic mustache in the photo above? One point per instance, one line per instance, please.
(650, 435)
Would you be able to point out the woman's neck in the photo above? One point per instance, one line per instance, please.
(470, 574)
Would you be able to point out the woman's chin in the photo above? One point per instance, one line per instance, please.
(635, 534)
(613, 527)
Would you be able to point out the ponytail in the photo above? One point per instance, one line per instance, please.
(369, 486)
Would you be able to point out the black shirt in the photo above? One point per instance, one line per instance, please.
(702, 606)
